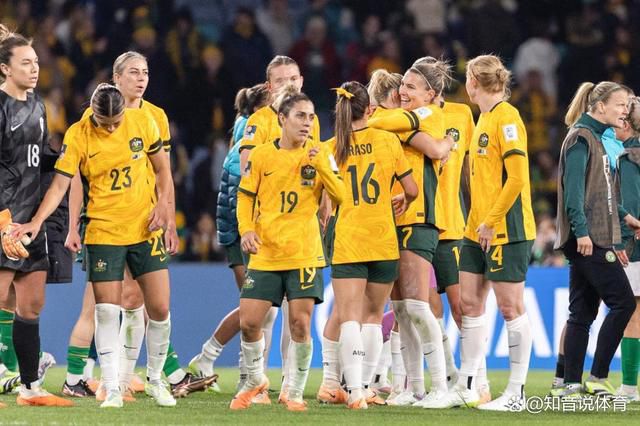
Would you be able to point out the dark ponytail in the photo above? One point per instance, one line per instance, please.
(107, 100)
(351, 105)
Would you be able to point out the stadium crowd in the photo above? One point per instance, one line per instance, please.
(202, 53)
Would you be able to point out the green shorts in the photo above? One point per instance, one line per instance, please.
(381, 271)
(506, 262)
(445, 263)
(420, 239)
(235, 255)
(107, 262)
(304, 283)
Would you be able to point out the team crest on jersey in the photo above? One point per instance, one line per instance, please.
(136, 144)
(101, 266)
(250, 132)
(248, 283)
(483, 141)
(455, 135)
(308, 174)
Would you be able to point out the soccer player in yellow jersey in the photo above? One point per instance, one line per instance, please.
(131, 77)
(499, 234)
(112, 149)
(278, 201)
(419, 226)
(365, 255)
(283, 75)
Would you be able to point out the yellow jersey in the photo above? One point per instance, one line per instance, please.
(458, 121)
(115, 170)
(365, 226)
(406, 124)
(499, 134)
(158, 115)
(263, 127)
(286, 189)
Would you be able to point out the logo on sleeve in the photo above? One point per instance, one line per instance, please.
(250, 132)
(247, 169)
(136, 144)
(423, 112)
(510, 132)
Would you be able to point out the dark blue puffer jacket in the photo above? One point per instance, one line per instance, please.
(226, 220)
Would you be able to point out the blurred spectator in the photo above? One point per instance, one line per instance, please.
(246, 50)
(56, 112)
(544, 183)
(429, 15)
(618, 60)
(359, 53)
(537, 109)
(276, 22)
(538, 53)
(206, 178)
(183, 45)
(162, 81)
(542, 251)
(319, 64)
(585, 39)
(491, 28)
(389, 56)
(202, 243)
(206, 106)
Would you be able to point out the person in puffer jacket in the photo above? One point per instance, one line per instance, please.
(247, 101)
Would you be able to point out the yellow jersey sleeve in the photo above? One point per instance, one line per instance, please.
(153, 134)
(395, 120)
(402, 166)
(165, 133)
(316, 129)
(512, 135)
(325, 164)
(247, 191)
(256, 132)
(71, 154)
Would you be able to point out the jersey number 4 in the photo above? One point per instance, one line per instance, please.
(359, 187)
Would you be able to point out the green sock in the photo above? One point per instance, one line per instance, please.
(77, 359)
(171, 365)
(7, 351)
(630, 360)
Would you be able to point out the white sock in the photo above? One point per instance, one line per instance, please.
(131, 337)
(372, 344)
(410, 348)
(212, 349)
(448, 354)
(520, 341)
(253, 354)
(299, 363)
(330, 363)
(472, 348)
(106, 335)
(481, 378)
(351, 356)
(242, 366)
(384, 364)
(398, 373)
(158, 333)
(285, 341)
(72, 379)
(431, 338)
(267, 331)
(87, 373)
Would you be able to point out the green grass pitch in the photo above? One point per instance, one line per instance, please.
(209, 408)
